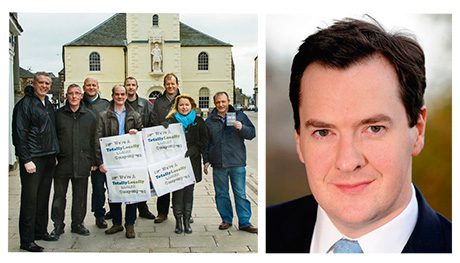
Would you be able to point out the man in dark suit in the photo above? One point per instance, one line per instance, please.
(357, 97)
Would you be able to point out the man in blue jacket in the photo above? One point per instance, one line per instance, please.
(227, 155)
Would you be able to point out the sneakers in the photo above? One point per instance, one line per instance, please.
(114, 229)
(130, 231)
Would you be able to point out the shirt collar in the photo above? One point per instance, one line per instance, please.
(389, 238)
(121, 113)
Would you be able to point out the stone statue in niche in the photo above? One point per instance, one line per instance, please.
(157, 58)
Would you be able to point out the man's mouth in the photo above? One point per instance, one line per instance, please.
(353, 188)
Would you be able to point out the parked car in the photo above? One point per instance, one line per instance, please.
(252, 108)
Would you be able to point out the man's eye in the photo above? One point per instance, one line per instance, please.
(375, 129)
(321, 133)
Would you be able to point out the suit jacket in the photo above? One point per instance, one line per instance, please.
(290, 228)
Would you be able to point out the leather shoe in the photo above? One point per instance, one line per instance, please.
(32, 247)
(160, 218)
(108, 216)
(250, 229)
(47, 237)
(80, 229)
(114, 229)
(130, 231)
(57, 231)
(224, 226)
(147, 214)
(100, 222)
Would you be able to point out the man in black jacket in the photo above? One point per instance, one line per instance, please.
(34, 138)
(144, 108)
(161, 108)
(96, 104)
(75, 126)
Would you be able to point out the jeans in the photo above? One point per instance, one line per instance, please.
(130, 213)
(79, 194)
(35, 193)
(237, 176)
(98, 182)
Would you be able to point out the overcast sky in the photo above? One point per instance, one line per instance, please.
(40, 45)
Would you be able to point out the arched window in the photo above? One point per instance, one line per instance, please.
(94, 62)
(203, 99)
(203, 61)
(154, 95)
(155, 20)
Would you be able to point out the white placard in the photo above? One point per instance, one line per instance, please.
(128, 185)
(171, 175)
(162, 144)
(123, 151)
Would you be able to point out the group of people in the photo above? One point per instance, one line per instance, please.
(63, 145)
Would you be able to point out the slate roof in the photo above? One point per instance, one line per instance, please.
(112, 32)
(190, 37)
(24, 73)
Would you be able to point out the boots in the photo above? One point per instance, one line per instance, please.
(179, 223)
(187, 227)
(177, 211)
(187, 215)
(178, 207)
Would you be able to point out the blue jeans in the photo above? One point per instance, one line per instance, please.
(237, 176)
(98, 182)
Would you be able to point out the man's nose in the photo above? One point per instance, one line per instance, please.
(349, 155)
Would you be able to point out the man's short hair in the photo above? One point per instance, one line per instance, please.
(131, 78)
(220, 93)
(90, 78)
(350, 41)
(73, 85)
(116, 86)
(168, 76)
(41, 73)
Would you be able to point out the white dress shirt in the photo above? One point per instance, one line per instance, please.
(389, 238)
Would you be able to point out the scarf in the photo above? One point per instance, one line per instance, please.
(186, 120)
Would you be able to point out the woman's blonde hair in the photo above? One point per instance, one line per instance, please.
(176, 104)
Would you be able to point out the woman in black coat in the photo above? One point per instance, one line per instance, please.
(196, 135)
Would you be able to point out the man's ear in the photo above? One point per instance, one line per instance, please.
(420, 127)
(298, 148)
